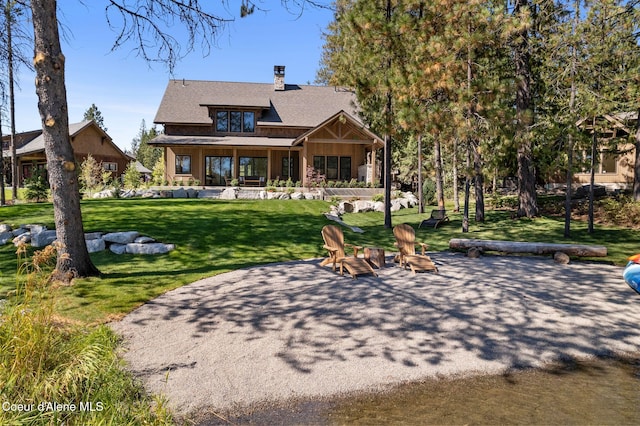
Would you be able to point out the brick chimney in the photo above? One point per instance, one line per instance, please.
(278, 77)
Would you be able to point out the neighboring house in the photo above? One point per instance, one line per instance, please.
(86, 138)
(218, 131)
(614, 168)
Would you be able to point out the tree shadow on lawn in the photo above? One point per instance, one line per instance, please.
(489, 314)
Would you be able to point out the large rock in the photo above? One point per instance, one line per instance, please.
(121, 237)
(378, 206)
(192, 193)
(5, 237)
(180, 193)
(150, 248)
(93, 235)
(118, 248)
(297, 196)
(95, 245)
(5, 228)
(42, 239)
(23, 238)
(229, 194)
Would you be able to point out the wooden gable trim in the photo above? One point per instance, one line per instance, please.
(341, 128)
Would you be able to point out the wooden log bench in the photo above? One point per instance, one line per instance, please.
(576, 250)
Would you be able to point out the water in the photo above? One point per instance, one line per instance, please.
(603, 392)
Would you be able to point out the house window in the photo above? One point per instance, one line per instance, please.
(333, 167)
(235, 121)
(109, 166)
(253, 166)
(183, 164)
(218, 170)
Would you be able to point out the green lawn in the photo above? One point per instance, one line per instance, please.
(215, 236)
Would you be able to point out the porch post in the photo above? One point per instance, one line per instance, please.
(304, 163)
(268, 177)
(236, 164)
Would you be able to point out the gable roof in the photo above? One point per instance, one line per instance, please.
(36, 144)
(187, 102)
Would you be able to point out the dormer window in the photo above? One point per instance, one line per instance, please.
(235, 121)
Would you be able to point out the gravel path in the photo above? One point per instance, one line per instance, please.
(280, 331)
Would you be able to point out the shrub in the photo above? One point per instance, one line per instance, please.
(429, 192)
(131, 177)
(234, 182)
(377, 197)
(37, 186)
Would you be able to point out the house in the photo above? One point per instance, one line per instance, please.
(614, 165)
(215, 132)
(86, 138)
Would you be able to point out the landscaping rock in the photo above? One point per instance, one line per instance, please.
(297, 196)
(166, 194)
(229, 194)
(23, 238)
(310, 196)
(561, 258)
(118, 248)
(93, 235)
(19, 231)
(180, 193)
(96, 245)
(144, 240)
(209, 193)
(192, 193)
(378, 206)
(121, 237)
(4, 228)
(5, 237)
(151, 248)
(43, 238)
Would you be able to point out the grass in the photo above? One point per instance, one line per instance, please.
(54, 348)
(56, 372)
(215, 236)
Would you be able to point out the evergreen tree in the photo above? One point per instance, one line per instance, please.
(93, 113)
(147, 155)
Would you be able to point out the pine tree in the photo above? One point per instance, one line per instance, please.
(93, 113)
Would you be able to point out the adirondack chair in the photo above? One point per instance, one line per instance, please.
(406, 243)
(438, 216)
(335, 245)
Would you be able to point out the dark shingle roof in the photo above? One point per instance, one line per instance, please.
(186, 101)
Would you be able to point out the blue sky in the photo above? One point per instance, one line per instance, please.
(127, 90)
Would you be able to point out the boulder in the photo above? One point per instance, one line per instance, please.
(208, 193)
(345, 207)
(378, 206)
(5, 237)
(93, 235)
(19, 231)
(229, 194)
(42, 239)
(561, 258)
(361, 206)
(118, 248)
(95, 245)
(34, 229)
(144, 240)
(297, 196)
(166, 194)
(180, 193)
(121, 237)
(309, 196)
(395, 205)
(151, 248)
(4, 228)
(192, 193)
(23, 238)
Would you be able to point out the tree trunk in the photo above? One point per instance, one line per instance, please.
(528, 204)
(568, 194)
(420, 191)
(454, 161)
(437, 158)
(636, 168)
(592, 178)
(479, 183)
(73, 257)
(467, 190)
(3, 200)
(529, 247)
(12, 102)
